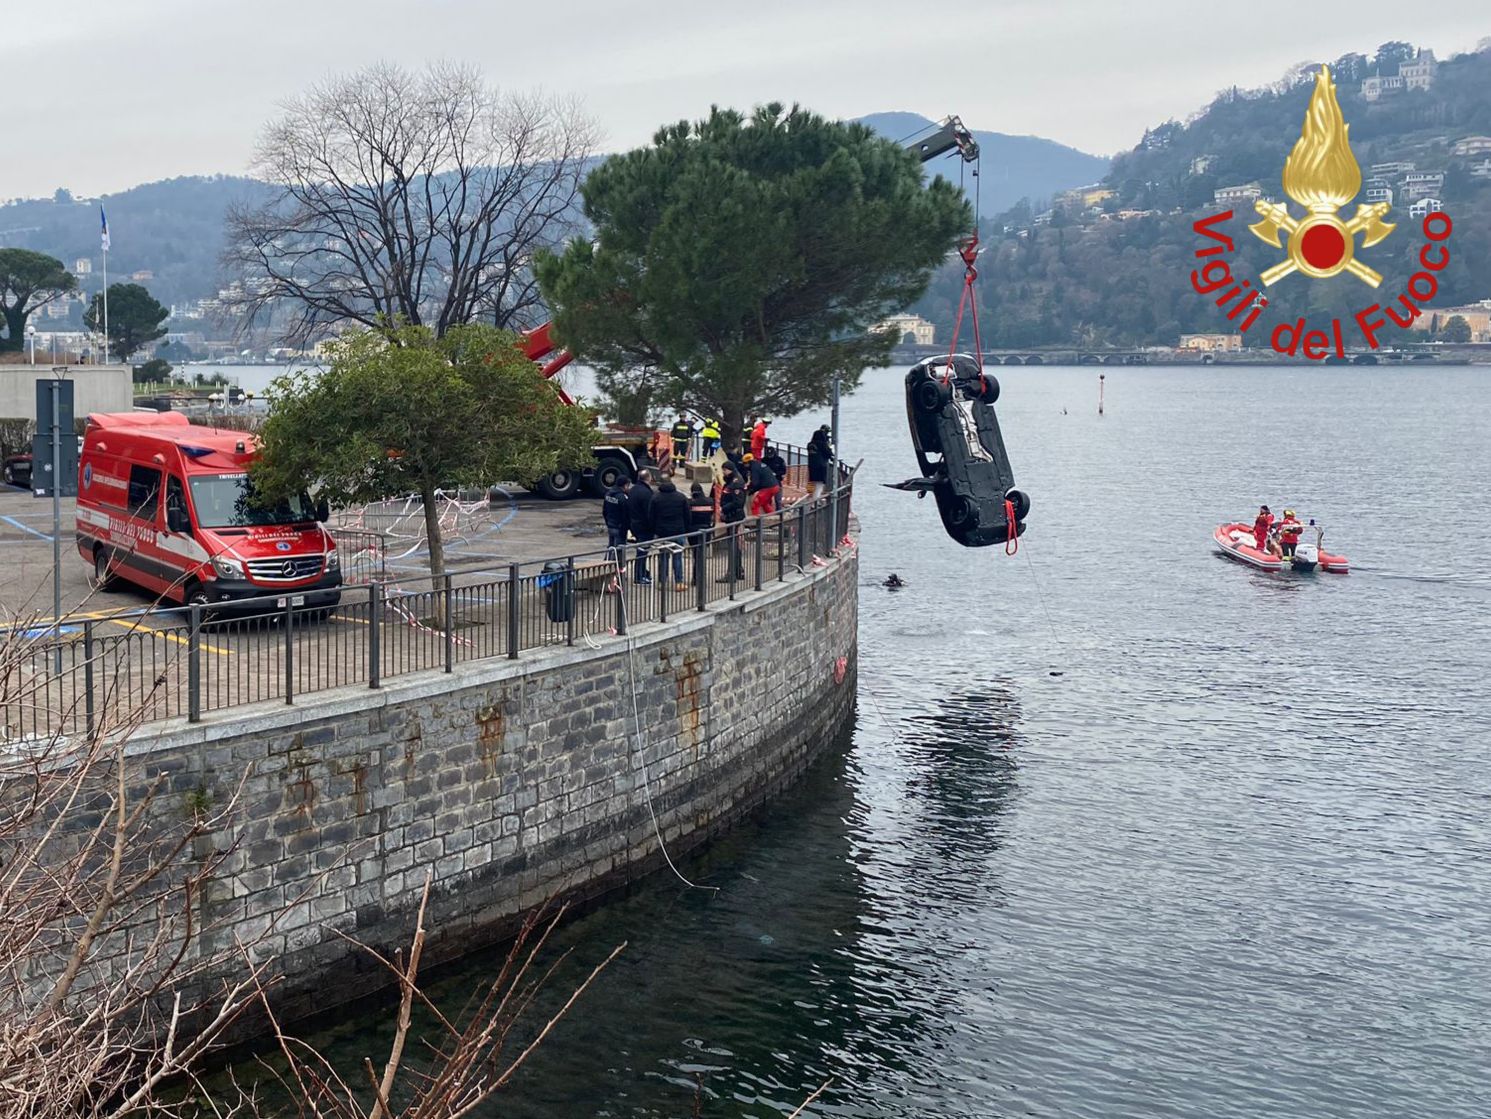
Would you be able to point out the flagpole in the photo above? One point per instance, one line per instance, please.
(106, 306)
(103, 221)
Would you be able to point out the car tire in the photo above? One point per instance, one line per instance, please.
(104, 578)
(988, 388)
(1021, 501)
(962, 513)
(560, 485)
(930, 396)
(10, 478)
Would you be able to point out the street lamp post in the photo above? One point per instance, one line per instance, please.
(31, 340)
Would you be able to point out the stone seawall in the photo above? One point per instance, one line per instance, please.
(512, 782)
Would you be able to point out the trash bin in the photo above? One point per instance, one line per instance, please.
(559, 591)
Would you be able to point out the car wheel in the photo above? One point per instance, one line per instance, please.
(560, 485)
(10, 478)
(962, 513)
(988, 388)
(104, 578)
(1021, 501)
(930, 396)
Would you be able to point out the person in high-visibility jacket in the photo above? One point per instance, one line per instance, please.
(1289, 532)
(1261, 527)
(710, 434)
(683, 431)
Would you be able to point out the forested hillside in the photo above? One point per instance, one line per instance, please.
(1119, 272)
(172, 229)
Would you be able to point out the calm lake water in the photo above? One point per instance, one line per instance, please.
(1234, 861)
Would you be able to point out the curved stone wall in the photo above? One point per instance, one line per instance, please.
(512, 782)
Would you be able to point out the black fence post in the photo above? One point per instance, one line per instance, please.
(802, 537)
(781, 544)
(760, 554)
(193, 669)
(701, 568)
(450, 629)
(513, 577)
(375, 634)
(568, 596)
(663, 559)
(288, 623)
(620, 576)
(88, 676)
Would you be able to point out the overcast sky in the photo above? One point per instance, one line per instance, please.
(104, 94)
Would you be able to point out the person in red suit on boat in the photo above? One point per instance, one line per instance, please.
(1261, 526)
(1289, 533)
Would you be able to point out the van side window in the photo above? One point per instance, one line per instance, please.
(175, 498)
(144, 491)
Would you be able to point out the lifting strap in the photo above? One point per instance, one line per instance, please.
(969, 252)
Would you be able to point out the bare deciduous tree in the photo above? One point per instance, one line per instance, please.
(404, 197)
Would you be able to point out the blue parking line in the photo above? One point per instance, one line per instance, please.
(26, 528)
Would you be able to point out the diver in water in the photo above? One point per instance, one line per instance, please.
(894, 582)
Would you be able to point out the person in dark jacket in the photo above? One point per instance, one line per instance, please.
(639, 519)
(732, 513)
(614, 510)
(701, 523)
(763, 486)
(670, 521)
(778, 466)
(683, 433)
(820, 459)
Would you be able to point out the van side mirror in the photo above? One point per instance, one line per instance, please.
(323, 510)
(177, 520)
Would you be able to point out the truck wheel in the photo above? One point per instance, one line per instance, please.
(608, 472)
(560, 485)
(103, 578)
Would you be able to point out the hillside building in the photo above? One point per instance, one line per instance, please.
(1481, 170)
(1416, 73)
(1377, 190)
(1202, 164)
(1424, 207)
(922, 332)
(1392, 169)
(1477, 316)
(1471, 145)
(1422, 184)
(1212, 343)
(1244, 195)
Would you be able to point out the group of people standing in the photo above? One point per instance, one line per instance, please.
(654, 514)
(1278, 538)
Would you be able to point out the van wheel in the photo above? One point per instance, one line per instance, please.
(104, 579)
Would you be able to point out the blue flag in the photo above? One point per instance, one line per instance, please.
(104, 221)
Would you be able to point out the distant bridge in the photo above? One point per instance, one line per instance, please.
(913, 354)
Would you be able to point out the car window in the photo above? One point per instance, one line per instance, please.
(144, 491)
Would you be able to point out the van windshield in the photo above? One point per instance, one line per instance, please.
(229, 500)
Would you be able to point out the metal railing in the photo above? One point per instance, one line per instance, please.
(183, 661)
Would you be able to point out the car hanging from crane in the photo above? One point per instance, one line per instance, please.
(950, 407)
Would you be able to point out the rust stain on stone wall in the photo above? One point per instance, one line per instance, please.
(491, 723)
(686, 680)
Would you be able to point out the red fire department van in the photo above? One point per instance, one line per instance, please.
(168, 506)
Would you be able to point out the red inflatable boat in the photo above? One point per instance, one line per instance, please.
(1236, 541)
